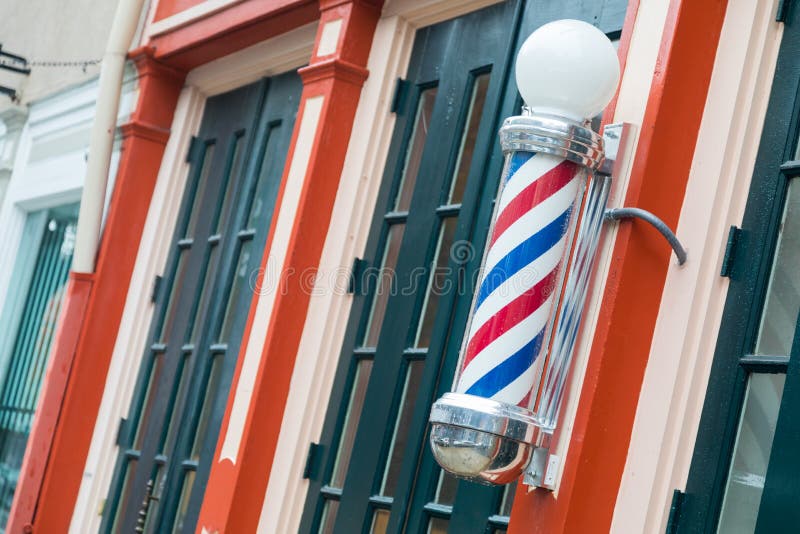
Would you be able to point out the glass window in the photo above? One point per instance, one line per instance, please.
(783, 295)
(751, 454)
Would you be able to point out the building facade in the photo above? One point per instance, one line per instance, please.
(45, 117)
(287, 264)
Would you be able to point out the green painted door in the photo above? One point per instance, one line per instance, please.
(168, 439)
(376, 473)
(27, 348)
(745, 474)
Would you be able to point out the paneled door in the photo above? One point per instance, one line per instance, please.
(375, 471)
(745, 474)
(168, 439)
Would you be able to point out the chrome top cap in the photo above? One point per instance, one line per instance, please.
(550, 134)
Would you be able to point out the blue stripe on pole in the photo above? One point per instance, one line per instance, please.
(518, 159)
(512, 368)
(524, 254)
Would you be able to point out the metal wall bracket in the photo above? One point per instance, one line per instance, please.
(616, 214)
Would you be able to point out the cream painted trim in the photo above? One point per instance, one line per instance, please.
(187, 16)
(304, 145)
(631, 103)
(329, 39)
(679, 363)
(279, 54)
(132, 335)
(276, 55)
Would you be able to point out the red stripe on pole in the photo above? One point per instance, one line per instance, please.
(540, 190)
(509, 316)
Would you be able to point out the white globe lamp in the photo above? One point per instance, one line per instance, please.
(567, 68)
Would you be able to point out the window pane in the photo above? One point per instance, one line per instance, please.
(384, 285)
(265, 187)
(210, 392)
(230, 181)
(125, 495)
(470, 135)
(380, 522)
(199, 193)
(174, 293)
(328, 517)
(438, 281)
(751, 454)
(446, 489)
(438, 525)
(173, 424)
(240, 283)
(201, 303)
(783, 296)
(508, 500)
(400, 436)
(157, 493)
(183, 505)
(414, 151)
(154, 373)
(354, 407)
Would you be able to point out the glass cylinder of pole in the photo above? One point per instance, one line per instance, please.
(484, 429)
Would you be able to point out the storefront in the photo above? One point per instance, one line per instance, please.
(301, 207)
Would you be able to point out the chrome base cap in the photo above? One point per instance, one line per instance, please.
(480, 439)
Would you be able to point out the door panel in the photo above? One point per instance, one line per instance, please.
(428, 232)
(169, 438)
(745, 470)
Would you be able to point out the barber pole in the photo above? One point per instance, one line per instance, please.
(516, 293)
(488, 429)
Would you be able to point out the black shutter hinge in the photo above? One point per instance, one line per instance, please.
(675, 511)
(156, 288)
(734, 236)
(194, 148)
(312, 460)
(784, 7)
(400, 95)
(356, 284)
(122, 432)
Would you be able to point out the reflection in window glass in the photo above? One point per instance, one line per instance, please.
(183, 505)
(446, 489)
(201, 303)
(751, 454)
(408, 401)
(385, 284)
(181, 270)
(468, 139)
(230, 180)
(380, 522)
(437, 525)
(328, 517)
(125, 496)
(199, 193)
(154, 373)
(242, 277)
(422, 121)
(783, 295)
(209, 396)
(354, 407)
(438, 280)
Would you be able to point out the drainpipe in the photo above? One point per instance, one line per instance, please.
(101, 143)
